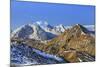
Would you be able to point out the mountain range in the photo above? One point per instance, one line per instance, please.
(74, 43)
(40, 32)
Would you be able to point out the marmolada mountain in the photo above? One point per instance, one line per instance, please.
(33, 44)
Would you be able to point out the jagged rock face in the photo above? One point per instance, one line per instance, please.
(76, 38)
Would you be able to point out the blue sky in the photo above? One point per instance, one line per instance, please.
(54, 14)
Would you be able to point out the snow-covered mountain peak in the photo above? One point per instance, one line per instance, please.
(44, 24)
(22, 31)
(60, 28)
(42, 30)
(33, 31)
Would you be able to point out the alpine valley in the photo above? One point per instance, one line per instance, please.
(33, 44)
